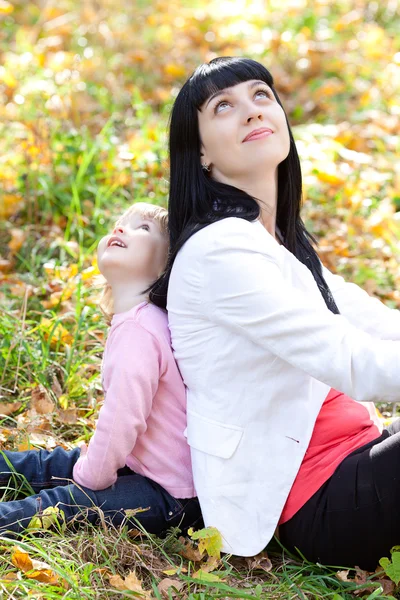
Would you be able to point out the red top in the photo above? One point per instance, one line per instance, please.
(343, 425)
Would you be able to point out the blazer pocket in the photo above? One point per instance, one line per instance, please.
(212, 437)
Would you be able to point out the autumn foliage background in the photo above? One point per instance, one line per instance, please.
(86, 87)
(85, 92)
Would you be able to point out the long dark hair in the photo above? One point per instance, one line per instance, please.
(196, 200)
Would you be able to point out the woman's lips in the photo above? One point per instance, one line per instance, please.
(258, 134)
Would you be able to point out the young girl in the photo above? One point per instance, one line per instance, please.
(276, 351)
(138, 457)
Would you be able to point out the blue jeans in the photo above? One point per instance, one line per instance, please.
(48, 474)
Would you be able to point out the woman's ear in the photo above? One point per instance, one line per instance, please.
(205, 163)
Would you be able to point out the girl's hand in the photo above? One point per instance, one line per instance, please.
(83, 448)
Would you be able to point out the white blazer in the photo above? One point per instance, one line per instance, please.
(259, 351)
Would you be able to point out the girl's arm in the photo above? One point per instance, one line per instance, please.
(362, 310)
(245, 290)
(131, 376)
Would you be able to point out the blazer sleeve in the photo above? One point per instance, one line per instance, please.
(246, 291)
(362, 310)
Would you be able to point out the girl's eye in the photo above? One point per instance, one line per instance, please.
(146, 227)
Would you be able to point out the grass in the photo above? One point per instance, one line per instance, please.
(85, 560)
(85, 98)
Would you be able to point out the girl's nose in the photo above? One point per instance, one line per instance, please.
(118, 229)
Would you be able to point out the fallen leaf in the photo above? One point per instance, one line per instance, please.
(169, 587)
(210, 540)
(343, 576)
(68, 416)
(41, 401)
(205, 576)
(35, 569)
(131, 583)
(189, 551)
(17, 239)
(21, 559)
(51, 516)
(5, 265)
(9, 408)
(56, 387)
(392, 568)
(260, 561)
(10, 576)
(175, 570)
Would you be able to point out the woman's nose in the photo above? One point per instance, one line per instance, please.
(254, 116)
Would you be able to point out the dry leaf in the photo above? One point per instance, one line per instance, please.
(17, 239)
(189, 551)
(7, 408)
(131, 583)
(56, 387)
(10, 576)
(343, 576)
(68, 416)
(260, 561)
(41, 401)
(166, 584)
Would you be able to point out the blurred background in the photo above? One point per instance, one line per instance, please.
(85, 93)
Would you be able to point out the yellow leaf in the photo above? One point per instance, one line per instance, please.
(205, 576)
(9, 205)
(330, 177)
(51, 515)
(5, 7)
(89, 273)
(174, 70)
(21, 559)
(56, 335)
(210, 540)
(175, 570)
(44, 575)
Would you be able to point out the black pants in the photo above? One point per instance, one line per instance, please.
(354, 518)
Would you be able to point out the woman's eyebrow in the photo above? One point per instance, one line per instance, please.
(224, 92)
(227, 91)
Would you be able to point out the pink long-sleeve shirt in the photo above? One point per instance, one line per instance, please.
(143, 419)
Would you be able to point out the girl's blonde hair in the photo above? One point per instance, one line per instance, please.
(159, 215)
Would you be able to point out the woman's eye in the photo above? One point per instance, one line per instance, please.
(221, 106)
(263, 93)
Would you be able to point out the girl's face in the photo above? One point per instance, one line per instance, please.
(243, 131)
(135, 249)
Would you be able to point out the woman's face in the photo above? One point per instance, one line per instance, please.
(243, 131)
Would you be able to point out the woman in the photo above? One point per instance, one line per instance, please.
(275, 350)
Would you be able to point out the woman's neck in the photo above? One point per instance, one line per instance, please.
(265, 191)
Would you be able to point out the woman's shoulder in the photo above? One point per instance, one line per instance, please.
(232, 232)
